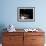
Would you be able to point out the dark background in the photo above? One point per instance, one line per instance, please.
(29, 12)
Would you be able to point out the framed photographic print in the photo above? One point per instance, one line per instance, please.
(26, 14)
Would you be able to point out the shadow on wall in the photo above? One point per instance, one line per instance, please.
(2, 29)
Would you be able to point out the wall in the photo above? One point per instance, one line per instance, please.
(9, 13)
